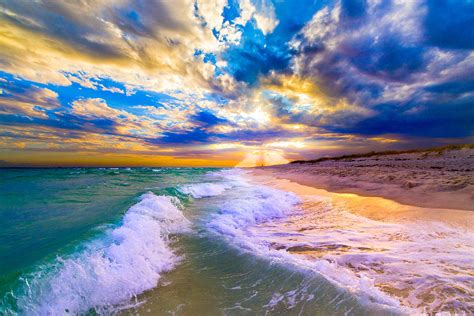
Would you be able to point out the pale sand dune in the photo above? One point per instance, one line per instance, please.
(432, 179)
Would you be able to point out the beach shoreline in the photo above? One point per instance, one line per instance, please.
(440, 180)
(409, 253)
(376, 208)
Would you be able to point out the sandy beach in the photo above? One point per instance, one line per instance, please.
(435, 179)
(372, 207)
(405, 225)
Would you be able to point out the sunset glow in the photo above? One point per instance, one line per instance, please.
(236, 157)
(206, 82)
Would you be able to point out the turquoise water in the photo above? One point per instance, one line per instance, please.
(48, 212)
(151, 241)
(53, 217)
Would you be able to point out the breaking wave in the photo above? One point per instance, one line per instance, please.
(111, 271)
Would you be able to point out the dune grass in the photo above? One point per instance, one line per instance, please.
(438, 150)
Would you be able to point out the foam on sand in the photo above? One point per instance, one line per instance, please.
(422, 258)
(251, 210)
(113, 270)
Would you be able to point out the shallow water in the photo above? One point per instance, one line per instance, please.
(208, 241)
(427, 266)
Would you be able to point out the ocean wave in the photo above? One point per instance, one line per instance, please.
(112, 270)
(250, 206)
(417, 266)
(201, 190)
(258, 205)
(223, 179)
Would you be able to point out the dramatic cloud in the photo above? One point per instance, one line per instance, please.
(26, 100)
(206, 81)
(378, 55)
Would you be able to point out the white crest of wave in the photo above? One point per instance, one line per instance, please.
(227, 179)
(112, 270)
(201, 190)
(261, 204)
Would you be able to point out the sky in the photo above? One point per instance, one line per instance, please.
(211, 83)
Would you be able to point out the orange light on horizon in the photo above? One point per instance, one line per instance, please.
(262, 157)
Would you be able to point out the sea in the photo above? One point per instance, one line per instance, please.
(186, 241)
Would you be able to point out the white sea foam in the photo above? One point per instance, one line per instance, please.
(411, 267)
(426, 266)
(201, 190)
(250, 207)
(111, 271)
(226, 179)
(258, 205)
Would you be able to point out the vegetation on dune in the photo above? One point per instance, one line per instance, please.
(438, 150)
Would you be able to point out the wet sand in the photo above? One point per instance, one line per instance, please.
(375, 208)
(443, 179)
(421, 256)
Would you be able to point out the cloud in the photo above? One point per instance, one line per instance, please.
(128, 40)
(377, 55)
(96, 108)
(266, 30)
(263, 13)
(31, 101)
(96, 113)
(211, 12)
(210, 78)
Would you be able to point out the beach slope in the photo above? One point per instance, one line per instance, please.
(435, 178)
